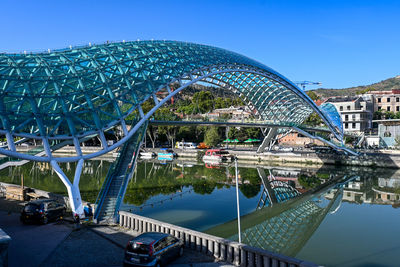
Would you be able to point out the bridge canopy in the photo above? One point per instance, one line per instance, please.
(72, 94)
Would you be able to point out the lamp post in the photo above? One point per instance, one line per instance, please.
(237, 200)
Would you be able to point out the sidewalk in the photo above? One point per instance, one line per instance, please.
(60, 244)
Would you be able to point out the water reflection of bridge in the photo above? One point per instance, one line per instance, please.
(283, 228)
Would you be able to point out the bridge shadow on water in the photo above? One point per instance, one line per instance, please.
(291, 210)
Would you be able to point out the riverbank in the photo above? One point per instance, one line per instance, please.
(379, 158)
(383, 159)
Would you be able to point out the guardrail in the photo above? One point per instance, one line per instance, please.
(222, 249)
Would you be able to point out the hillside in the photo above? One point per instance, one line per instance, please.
(385, 85)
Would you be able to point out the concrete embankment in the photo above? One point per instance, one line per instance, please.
(384, 159)
(388, 159)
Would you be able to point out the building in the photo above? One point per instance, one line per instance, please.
(233, 113)
(388, 132)
(296, 139)
(387, 100)
(356, 111)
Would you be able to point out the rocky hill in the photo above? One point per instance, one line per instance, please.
(385, 85)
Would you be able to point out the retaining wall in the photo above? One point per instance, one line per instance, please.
(222, 249)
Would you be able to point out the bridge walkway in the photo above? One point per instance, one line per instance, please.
(114, 187)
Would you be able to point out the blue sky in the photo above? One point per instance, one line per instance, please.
(339, 43)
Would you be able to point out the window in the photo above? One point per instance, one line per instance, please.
(379, 100)
(397, 99)
(353, 117)
(379, 108)
(388, 108)
(397, 108)
(353, 125)
(171, 240)
(387, 134)
(388, 99)
(348, 107)
(346, 117)
(161, 244)
(341, 108)
(346, 125)
(388, 197)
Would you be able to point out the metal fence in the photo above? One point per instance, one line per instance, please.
(222, 249)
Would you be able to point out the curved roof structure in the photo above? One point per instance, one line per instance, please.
(69, 95)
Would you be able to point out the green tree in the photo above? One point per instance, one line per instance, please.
(220, 103)
(253, 132)
(170, 130)
(312, 95)
(204, 101)
(212, 137)
(233, 132)
(377, 115)
(313, 120)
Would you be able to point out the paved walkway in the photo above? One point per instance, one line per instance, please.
(31, 244)
(60, 244)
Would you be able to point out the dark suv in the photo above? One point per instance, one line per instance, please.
(152, 249)
(42, 211)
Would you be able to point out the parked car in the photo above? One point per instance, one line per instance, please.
(185, 145)
(42, 211)
(152, 249)
(286, 149)
(309, 145)
(202, 146)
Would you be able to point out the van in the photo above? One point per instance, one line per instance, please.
(185, 145)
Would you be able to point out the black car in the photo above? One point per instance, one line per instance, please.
(42, 211)
(152, 249)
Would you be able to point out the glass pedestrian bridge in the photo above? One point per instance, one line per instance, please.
(65, 97)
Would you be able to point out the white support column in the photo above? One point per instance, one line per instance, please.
(267, 139)
(74, 194)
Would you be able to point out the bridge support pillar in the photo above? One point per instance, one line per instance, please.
(267, 140)
(74, 193)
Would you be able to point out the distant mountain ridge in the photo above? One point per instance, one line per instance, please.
(385, 85)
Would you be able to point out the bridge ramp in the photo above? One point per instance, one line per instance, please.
(114, 187)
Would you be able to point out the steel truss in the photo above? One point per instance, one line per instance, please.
(68, 96)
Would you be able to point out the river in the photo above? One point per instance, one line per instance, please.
(333, 216)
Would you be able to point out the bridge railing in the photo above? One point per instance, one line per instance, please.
(104, 189)
(222, 249)
(137, 142)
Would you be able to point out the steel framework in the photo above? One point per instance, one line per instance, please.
(67, 96)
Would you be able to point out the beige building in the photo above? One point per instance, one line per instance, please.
(387, 100)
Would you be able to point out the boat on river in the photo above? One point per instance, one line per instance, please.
(217, 155)
(147, 154)
(166, 154)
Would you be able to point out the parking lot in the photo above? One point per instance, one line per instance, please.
(31, 244)
(61, 244)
